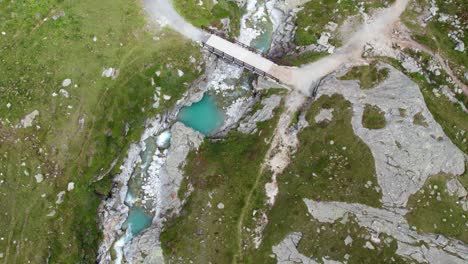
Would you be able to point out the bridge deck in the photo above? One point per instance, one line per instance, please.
(240, 53)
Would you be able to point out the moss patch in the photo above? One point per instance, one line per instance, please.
(420, 120)
(369, 76)
(402, 112)
(298, 60)
(373, 117)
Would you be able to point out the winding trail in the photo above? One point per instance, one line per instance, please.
(163, 13)
(378, 29)
(408, 42)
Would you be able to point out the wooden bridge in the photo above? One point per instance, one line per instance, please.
(242, 55)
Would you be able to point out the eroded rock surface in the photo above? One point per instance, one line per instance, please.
(28, 119)
(437, 249)
(324, 115)
(249, 124)
(406, 154)
(286, 251)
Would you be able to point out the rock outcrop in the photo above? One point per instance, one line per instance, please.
(249, 124)
(113, 211)
(145, 248)
(435, 248)
(286, 251)
(406, 154)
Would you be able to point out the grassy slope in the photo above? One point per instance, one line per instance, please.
(443, 216)
(210, 14)
(341, 178)
(221, 172)
(36, 57)
(298, 60)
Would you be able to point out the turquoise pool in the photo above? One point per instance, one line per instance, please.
(204, 116)
(137, 220)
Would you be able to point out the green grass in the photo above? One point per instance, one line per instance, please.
(373, 117)
(315, 15)
(325, 151)
(210, 14)
(324, 172)
(402, 112)
(440, 216)
(369, 76)
(450, 116)
(298, 60)
(36, 57)
(224, 171)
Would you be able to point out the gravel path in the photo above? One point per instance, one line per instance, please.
(163, 13)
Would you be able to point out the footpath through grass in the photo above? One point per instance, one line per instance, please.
(79, 131)
(435, 34)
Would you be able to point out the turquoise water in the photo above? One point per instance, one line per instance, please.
(203, 116)
(263, 42)
(137, 220)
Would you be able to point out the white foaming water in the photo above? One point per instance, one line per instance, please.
(129, 199)
(164, 139)
(120, 244)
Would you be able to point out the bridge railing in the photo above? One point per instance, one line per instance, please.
(245, 46)
(241, 63)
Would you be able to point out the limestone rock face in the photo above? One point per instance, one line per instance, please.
(409, 64)
(393, 223)
(324, 115)
(286, 251)
(249, 124)
(455, 187)
(281, 39)
(28, 119)
(406, 154)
